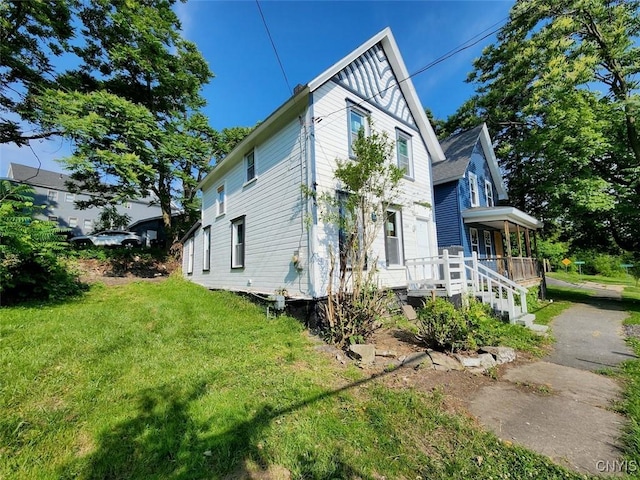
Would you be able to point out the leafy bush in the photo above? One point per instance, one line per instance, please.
(443, 327)
(30, 268)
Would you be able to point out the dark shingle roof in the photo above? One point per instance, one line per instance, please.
(41, 178)
(457, 150)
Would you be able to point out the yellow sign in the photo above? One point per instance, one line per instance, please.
(566, 262)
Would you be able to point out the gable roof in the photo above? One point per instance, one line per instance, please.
(298, 101)
(458, 149)
(40, 177)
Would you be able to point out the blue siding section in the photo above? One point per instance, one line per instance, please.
(447, 214)
(454, 197)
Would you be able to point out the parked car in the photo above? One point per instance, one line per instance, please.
(109, 238)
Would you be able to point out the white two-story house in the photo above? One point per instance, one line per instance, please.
(256, 218)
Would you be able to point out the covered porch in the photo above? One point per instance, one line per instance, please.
(513, 234)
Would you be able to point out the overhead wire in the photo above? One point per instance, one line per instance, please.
(273, 45)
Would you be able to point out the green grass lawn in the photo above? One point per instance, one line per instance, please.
(169, 380)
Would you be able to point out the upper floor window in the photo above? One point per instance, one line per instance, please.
(403, 148)
(70, 197)
(250, 165)
(473, 190)
(53, 218)
(488, 193)
(357, 122)
(221, 200)
(88, 225)
(73, 222)
(52, 195)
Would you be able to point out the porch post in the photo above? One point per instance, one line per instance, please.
(527, 242)
(522, 269)
(507, 238)
(519, 241)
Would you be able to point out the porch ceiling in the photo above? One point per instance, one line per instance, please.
(496, 216)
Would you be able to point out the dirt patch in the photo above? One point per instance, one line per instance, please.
(120, 272)
(457, 387)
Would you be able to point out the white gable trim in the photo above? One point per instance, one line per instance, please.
(492, 161)
(385, 37)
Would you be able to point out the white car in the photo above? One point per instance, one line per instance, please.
(109, 238)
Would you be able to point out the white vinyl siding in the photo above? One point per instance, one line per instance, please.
(403, 151)
(473, 190)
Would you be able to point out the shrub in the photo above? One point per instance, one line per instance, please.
(443, 327)
(29, 265)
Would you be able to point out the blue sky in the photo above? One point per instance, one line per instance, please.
(310, 36)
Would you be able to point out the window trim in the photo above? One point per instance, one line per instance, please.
(235, 264)
(50, 197)
(69, 197)
(76, 221)
(488, 246)
(477, 244)
(84, 225)
(206, 248)
(473, 190)
(399, 237)
(404, 135)
(190, 255)
(488, 194)
(221, 211)
(248, 180)
(352, 107)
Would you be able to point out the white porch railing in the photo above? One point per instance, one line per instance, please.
(455, 274)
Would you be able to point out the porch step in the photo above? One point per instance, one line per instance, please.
(526, 320)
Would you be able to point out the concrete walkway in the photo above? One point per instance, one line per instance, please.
(559, 407)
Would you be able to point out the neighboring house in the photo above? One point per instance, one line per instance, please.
(467, 187)
(259, 232)
(51, 191)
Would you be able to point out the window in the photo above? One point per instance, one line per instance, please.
(475, 242)
(88, 225)
(473, 189)
(52, 195)
(488, 193)
(190, 255)
(250, 165)
(53, 218)
(70, 197)
(73, 222)
(356, 123)
(403, 148)
(238, 239)
(206, 248)
(488, 245)
(221, 200)
(393, 237)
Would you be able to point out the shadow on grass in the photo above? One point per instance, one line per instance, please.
(576, 295)
(163, 441)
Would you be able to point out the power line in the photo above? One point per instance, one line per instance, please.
(275, 50)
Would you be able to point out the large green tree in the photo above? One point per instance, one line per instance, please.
(559, 91)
